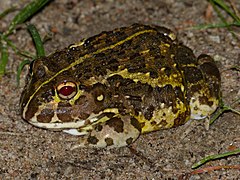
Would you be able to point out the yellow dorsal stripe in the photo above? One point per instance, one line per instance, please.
(174, 79)
(89, 55)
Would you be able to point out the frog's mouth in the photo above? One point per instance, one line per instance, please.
(64, 125)
(57, 115)
(74, 127)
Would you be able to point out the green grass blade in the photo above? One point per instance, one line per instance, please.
(220, 25)
(221, 4)
(218, 12)
(4, 59)
(20, 68)
(26, 13)
(7, 11)
(214, 157)
(223, 108)
(17, 50)
(37, 40)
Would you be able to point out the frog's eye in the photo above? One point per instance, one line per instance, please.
(67, 90)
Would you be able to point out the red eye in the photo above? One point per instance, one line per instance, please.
(67, 90)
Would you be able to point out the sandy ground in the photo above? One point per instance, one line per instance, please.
(27, 152)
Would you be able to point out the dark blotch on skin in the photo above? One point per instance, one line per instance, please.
(179, 93)
(211, 70)
(165, 95)
(185, 55)
(142, 125)
(45, 116)
(164, 122)
(47, 96)
(208, 66)
(86, 105)
(58, 60)
(181, 119)
(92, 140)
(148, 113)
(139, 64)
(31, 111)
(64, 112)
(129, 141)
(109, 114)
(211, 74)
(98, 89)
(116, 123)
(204, 100)
(114, 65)
(153, 74)
(115, 80)
(136, 124)
(192, 74)
(109, 141)
(168, 71)
(40, 73)
(194, 88)
(153, 123)
(98, 127)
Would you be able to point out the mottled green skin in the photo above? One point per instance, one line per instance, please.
(128, 81)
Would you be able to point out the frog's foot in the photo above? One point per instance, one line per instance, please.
(117, 131)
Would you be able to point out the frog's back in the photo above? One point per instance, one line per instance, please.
(140, 75)
(145, 71)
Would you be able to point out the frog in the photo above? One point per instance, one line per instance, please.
(111, 88)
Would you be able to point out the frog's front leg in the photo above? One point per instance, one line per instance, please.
(116, 131)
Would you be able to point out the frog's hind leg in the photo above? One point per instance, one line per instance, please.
(116, 131)
(205, 92)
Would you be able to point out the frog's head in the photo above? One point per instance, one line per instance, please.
(54, 97)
